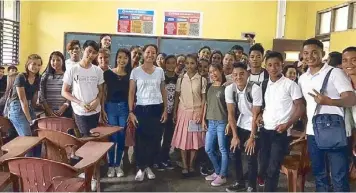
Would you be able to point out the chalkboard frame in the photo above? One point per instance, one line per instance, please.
(158, 38)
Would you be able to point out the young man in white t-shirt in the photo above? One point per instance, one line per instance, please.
(86, 81)
(73, 49)
(247, 97)
(339, 94)
(257, 73)
(283, 106)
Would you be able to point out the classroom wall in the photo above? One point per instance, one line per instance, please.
(338, 40)
(44, 22)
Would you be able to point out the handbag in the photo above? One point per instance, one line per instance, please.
(329, 129)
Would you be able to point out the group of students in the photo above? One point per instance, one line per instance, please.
(207, 103)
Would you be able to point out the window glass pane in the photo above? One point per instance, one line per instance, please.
(341, 18)
(9, 9)
(325, 22)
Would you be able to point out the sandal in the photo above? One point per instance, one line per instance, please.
(185, 172)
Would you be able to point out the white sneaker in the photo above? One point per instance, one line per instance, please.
(111, 172)
(119, 172)
(150, 174)
(140, 176)
(93, 185)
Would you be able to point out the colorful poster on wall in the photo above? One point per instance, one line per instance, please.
(135, 21)
(179, 23)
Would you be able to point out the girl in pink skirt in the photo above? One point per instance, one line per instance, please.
(188, 109)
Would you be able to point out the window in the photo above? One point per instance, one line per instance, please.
(9, 32)
(354, 15)
(325, 22)
(341, 18)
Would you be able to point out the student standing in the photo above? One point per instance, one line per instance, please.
(105, 41)
(3, 81)
(24, 96)
(147, 81)
(204, 52)
(216, 115)
(188, 107)
(73, 49)
(257, 73)
(247, 97)
(116, 107)
(86, 81)
(103, 59)
(204, 69)
(160, 60)
(135, 56)
(216, 57)
(180, 64)
(228, 61)
(51, 99)
(291, 72)
(238, 50)
(11, 70)
(283, 107)
(170, 80)
(338, 94)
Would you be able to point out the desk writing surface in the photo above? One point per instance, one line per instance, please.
(91, 152)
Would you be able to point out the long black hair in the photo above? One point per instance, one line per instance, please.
(220, 68)
(128, 67)
(49, 69)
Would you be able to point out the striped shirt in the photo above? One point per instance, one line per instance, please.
(50, 90)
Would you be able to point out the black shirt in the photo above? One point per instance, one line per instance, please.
(30, 89)
(3, 82)
(170, 88)
(117, 87)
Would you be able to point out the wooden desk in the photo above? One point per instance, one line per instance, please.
(104, 133)
(4, 180)
(92, 152)
(296, 134)
(19, 146)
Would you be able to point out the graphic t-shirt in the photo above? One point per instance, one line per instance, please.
(216, 105)
(148, 86)
(171, 89)
(70, 63)
(84, 84)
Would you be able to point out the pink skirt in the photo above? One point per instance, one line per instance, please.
(182, 139)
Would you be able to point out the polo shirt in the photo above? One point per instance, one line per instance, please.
(245, 107)
(338, 83)
(279, 99)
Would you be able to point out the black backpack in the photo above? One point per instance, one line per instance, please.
(264, 88)
(248, 94)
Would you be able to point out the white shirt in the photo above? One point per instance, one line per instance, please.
(338, 83)
(70, 63)
(228, 78)
(84, 84)
(245, 107)
(148, 86)
(257, 78)
(279, 99)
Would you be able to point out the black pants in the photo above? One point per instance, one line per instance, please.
(148, 134)
(273, 149)
(167, 139)
(86, 123)
(244, 135)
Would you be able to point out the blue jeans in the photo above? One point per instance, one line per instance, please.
(21, 124)
(339, 166)
(216, 131)
(117, 116)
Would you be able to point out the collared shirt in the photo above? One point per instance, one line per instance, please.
(338, 83)
(245, 107)
(279, 99)
(191, 90)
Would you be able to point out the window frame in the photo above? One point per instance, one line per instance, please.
(333, 9)
(15, 30)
